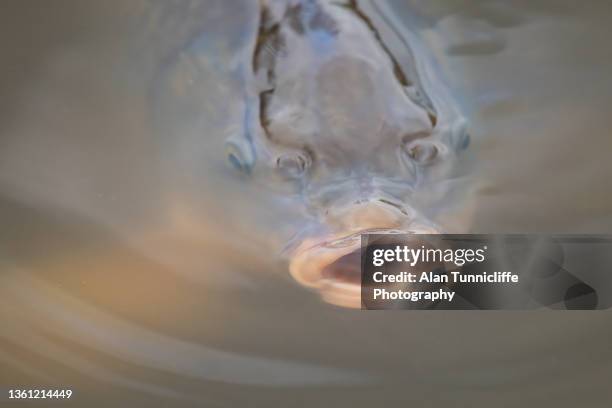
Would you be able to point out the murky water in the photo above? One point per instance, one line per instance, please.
(139, 270)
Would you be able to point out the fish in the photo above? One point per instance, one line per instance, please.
(353, 132)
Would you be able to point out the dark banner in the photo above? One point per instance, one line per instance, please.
(487, 272)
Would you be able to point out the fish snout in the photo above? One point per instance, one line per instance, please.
(331, 263)
(364, 214)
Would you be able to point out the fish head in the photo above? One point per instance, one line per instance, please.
(352, 178)
(353, 141)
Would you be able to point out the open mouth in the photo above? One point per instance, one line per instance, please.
(332, 265)
(345, 269)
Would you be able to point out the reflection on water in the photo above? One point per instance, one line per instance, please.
(137, 269)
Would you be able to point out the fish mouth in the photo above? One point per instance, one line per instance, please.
(332, 265)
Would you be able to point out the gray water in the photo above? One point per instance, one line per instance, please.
(138, 270)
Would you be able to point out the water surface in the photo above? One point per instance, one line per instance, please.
(138, 270)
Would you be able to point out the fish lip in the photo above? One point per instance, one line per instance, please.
(308, 261)
(347, 239)
(312, 256)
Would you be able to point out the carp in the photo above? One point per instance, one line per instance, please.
(351, 130)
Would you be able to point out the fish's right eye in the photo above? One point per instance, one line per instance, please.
(236, 159)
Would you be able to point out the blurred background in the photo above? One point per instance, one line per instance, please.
(137, 270)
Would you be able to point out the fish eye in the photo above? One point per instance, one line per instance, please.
(423, 152)
(236, 159)
(465, 141)
(293, 165)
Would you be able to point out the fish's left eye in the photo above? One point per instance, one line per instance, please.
(293, 165)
